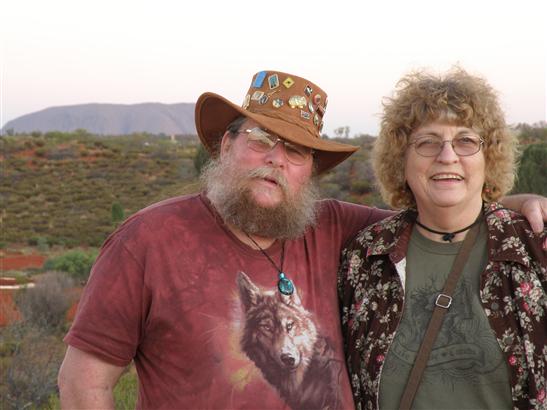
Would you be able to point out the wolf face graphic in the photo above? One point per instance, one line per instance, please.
(280, 337)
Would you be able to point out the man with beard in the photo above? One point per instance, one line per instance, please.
(227, 298)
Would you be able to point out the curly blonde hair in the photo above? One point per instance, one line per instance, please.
(456, 98)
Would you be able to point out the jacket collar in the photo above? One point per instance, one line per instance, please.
(504, 243)
(392, 235)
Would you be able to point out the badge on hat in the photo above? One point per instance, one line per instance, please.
(273, 81)
(259, 79)
(288, 82)
(297, 101)
(277, 102)
(246, 102)
(316, 120)
(257, 95)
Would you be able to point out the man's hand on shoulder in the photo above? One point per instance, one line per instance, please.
(533, 207)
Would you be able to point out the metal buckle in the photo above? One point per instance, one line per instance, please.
(447, 301)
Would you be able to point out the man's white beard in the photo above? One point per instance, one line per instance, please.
(227, 187)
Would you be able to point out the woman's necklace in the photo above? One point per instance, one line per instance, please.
(284, 284)
(448, 236)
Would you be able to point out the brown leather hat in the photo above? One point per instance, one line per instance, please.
(286, 105)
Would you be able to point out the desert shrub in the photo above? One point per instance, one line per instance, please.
(39, 241)
(360, 186)
(62, 153)
(45, 305)
(201, 158)
(28, 376)
(118, 213)
(330, 190)
(20, 277)
(76, 263)
(40, 152)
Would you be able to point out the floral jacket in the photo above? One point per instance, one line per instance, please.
(512, 292)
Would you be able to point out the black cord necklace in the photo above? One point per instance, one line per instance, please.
(448, 236)
(284, 284)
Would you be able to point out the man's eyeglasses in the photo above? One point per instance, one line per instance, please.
(261, 141)
(463, 145)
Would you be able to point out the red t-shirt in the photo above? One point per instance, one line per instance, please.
(166, 291)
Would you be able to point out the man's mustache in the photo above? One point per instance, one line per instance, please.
(270, 173)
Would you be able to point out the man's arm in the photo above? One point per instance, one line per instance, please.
(87, 382)
(533, 207)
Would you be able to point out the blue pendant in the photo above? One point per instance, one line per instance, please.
(285, 285)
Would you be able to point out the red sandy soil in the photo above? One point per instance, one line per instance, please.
(19, 261)
(15, 261)
(26, 153)
(8, 310)
(76, 293)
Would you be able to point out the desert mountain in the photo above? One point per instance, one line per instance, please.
(110, 119)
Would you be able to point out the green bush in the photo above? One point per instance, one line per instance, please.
(76, 263)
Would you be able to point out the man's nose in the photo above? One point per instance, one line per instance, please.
(277, 154)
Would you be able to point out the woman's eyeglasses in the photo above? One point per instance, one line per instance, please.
(463, 145)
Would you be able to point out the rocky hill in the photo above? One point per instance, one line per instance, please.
(110, 119)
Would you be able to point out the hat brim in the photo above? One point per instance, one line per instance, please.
(214, 113)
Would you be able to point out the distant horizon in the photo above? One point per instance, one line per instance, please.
(53, 54)
(352, 133)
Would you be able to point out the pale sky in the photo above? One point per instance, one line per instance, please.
(65, 52)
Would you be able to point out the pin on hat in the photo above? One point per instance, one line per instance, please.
(290, 115)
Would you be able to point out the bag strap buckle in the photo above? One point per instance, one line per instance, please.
(443, 301)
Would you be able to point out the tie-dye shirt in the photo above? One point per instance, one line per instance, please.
(199, 313)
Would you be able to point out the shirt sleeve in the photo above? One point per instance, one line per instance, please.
(111, 311)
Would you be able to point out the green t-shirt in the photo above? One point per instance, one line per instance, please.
(466, 369)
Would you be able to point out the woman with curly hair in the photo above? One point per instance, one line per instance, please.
(444, 304)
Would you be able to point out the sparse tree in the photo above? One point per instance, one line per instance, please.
(342, 132)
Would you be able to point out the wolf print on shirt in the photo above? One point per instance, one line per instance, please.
(280, 337)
